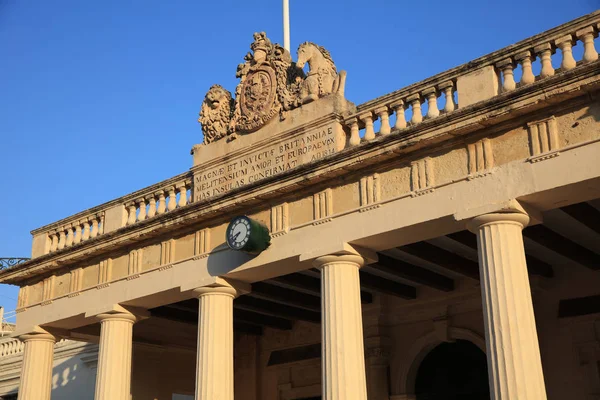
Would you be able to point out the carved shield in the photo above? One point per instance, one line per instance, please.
(258, 99)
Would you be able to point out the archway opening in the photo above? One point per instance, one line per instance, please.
(453, 371)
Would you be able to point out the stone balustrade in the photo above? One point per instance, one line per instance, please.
(11, 346)
(76, 232)
(143, 204)
(165, 199)
(478, 80)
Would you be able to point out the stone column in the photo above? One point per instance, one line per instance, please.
(343, 356)
(36, 370)
(214, 365)
(514, 363)
(113, 381)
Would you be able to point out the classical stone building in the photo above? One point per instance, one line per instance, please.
(439, 242)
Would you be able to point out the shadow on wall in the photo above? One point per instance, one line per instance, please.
(73, 379)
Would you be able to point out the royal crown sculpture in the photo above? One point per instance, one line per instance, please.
(270, 85)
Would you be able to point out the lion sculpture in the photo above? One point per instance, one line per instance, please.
(215, 114)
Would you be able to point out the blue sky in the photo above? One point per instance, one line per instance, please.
(101, 98)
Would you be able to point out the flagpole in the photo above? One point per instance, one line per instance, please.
(286, 24)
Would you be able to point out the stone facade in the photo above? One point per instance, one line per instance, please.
(393, 231)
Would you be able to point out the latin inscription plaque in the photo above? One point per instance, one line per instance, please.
(277, 157)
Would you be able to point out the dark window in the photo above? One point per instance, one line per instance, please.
(453, 371)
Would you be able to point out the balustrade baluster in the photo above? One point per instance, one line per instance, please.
(354, 132)
(69, 236)
(152, 206)
(367, 119)
(101, 218)
(86, 230)
(565, 44)
(94, 232)
(182, 194)
(432, 108)
(398, 108)
(415, 102)
(383, 113)
(525, 59)
(142, 206)
(131, 210)
(188, 187)
(507, 68)
(162, 206)
(448, 89)
(545, 52)
(587, 36)
(172, 199)
(61, 239)
(77, 238)
(53, 241)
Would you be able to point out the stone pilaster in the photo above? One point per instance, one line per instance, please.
(343, 354)
(113, 381)
(36, 370)
(514, 363)
(377, 358)
(214, 365)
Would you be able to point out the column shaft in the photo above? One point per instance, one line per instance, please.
(36, 370)
(214, 368)
(343, 355)
(113, 381)
(514, 362)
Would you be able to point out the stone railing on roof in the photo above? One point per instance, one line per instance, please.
(143, 204)
(11, 346)
(478, 80)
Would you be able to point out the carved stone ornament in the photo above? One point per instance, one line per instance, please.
(270, 84)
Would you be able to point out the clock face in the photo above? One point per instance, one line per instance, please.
(238, 233)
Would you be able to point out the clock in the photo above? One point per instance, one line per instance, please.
(247, 235)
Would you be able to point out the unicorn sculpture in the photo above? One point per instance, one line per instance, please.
(271, 84)
(322, 78)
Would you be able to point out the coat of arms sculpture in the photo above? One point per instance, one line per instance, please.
(270, 85)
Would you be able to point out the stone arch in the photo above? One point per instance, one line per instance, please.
(406, 377)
